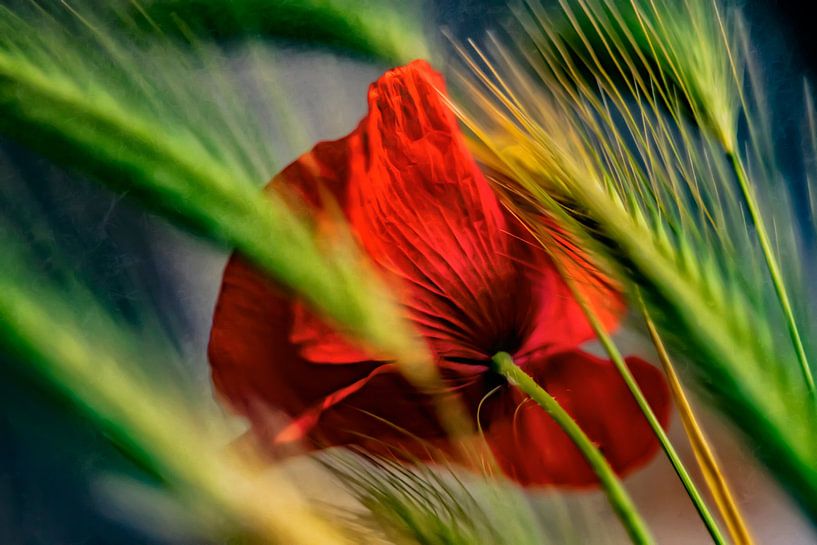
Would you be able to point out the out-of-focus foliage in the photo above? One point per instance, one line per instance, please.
(162, 127)
(384, 29)
(117, 379)
(174, 127)
(431, 505)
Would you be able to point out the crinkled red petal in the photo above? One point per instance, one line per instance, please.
(424, 211)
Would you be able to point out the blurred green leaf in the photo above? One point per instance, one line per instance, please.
(384, 29)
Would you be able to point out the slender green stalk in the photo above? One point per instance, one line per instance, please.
(707, 461)
(774, 269)
(666, 445)
(619, 498)
(615, 355)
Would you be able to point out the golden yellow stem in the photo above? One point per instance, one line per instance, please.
(715, 480)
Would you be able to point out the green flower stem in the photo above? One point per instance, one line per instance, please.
(774, 268)
(619, 498)
(666, 445)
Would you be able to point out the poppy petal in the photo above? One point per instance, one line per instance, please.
(256, 367)
(253, 360)
(423, 210)
(308, 182)
(533, 449)
(424, 213)
(382, 409)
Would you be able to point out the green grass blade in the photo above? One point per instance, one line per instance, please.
(774, 271)
(707, 461)
(669, 450)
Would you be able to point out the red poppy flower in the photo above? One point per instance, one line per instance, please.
(471, 282)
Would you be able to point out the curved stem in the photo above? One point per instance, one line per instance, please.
(707, 461)
(666, 445)
(774, 268)
(618, 496)
(546, 240)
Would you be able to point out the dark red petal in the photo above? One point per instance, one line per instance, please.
(322, 170)
(255, 364)
(260, 360)
(319, 343)
(531, 447)
(425, 213)
(259, 370)
(379, 411)
(317, 185)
